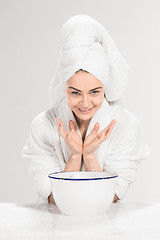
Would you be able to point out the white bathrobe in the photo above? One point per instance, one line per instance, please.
(121, 153)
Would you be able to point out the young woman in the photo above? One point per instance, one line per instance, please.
(86, 127)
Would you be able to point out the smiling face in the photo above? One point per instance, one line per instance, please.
(84, 95)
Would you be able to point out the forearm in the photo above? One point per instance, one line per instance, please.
(91, 163)
(73, 163)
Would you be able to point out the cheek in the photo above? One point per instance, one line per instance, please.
(98, 100)
(71, 101)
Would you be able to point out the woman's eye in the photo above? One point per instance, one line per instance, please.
(77, 93)
(74, 93)
(95, 92)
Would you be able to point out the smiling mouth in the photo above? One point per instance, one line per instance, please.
(85, 111)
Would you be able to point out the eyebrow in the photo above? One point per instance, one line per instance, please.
(81, 91)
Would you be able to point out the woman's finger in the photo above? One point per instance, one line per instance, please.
(110, 125)
(57, 124)
(100, 137)
(105, 133)
(63, 132)
(71, 125)
(93, 134)
(108, 129)
(113, 123)
(69, 136)
(108, 133)
(61, 129)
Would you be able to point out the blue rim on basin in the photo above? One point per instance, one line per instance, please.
(80, 179)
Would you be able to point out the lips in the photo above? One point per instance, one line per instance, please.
(85, 111)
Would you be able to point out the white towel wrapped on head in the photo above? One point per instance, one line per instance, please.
(88, 46)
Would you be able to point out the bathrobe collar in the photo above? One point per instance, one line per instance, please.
(103, 116)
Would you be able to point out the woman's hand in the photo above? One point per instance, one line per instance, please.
(93, 140)
(51, 199)
(115, 198)
(72, 138)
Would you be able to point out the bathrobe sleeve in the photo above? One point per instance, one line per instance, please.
(126, 150)
(41, 153)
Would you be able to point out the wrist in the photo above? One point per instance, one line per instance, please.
(91, 162)
(76, 156)
(73, 163)
(89, 156)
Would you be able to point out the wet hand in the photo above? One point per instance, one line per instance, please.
(72, 138)
(93, 140)
(115, 199)
(51, 199)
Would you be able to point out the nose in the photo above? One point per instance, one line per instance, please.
(86, 102)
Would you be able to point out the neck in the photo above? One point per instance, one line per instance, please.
(81, 122)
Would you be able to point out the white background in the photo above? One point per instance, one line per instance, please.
(30, 41)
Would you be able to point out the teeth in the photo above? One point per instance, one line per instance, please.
(85, 109)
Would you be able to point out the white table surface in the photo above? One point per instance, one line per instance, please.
(127, 221)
